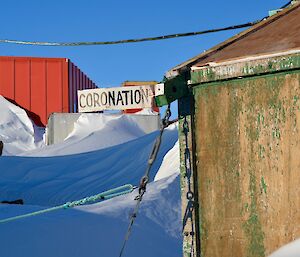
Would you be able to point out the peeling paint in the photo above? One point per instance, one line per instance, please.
(263, 185)
(252, 226)
(242, 130)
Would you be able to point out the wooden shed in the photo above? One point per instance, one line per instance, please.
(239, 113)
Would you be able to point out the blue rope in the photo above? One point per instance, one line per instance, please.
(125, 189)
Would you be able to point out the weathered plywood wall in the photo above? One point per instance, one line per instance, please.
(247, 135)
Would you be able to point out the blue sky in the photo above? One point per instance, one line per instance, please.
(98, 20)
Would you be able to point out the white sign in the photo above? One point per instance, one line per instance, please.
(117, 98)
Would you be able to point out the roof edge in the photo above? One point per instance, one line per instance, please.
(139, 82)
(190, 62)
(247, 59)
(33, 58)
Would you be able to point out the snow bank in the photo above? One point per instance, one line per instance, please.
(170, 163)
(90, 134)
(54, 180)
(21, 137)
(16, 130)
(97, 229)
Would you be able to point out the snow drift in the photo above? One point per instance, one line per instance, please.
(96, 229)
(55, 180)
(90, 134)
(17, 131)
(99, 229)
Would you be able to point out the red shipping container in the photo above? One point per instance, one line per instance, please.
(140, 83)
(42, 86)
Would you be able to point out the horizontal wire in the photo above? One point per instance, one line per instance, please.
(125, 41)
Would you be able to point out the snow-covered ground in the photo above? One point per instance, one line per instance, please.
(110, 152)
(96, 156)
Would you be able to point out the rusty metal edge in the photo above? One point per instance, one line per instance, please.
(245, 68)
(187, 64)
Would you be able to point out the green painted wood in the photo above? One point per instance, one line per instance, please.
(251, 66)
(247, 143)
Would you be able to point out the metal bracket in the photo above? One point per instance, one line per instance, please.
(159, 89)
(173, 89)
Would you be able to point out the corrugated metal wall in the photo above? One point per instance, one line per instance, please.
(42, 85)
(77, 81)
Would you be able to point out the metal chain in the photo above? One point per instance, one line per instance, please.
(145, 179)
